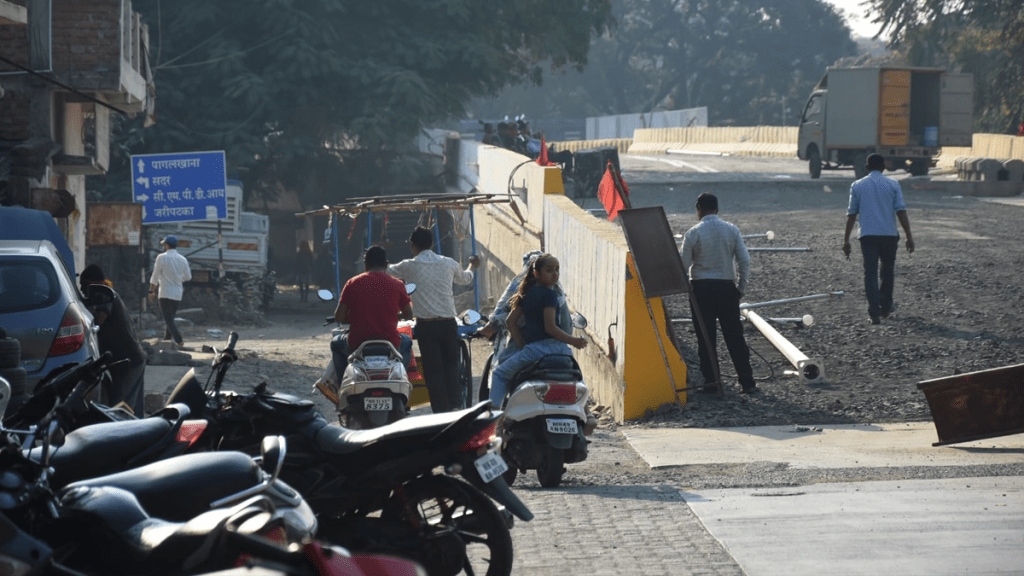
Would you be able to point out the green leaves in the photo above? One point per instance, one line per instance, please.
(281, 83)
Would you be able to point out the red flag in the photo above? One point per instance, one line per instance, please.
(543, 158)
(608, 194)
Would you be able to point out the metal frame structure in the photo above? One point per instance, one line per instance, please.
(408, 203)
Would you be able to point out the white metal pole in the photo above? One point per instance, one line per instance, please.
(810, 370)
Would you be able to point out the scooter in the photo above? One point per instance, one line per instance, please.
(545, 425)
(375, 388)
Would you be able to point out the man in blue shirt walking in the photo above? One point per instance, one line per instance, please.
(878, 201)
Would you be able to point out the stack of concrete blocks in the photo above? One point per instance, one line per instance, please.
(989, 169)
(991, 176)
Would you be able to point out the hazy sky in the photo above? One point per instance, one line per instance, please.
(860, 25)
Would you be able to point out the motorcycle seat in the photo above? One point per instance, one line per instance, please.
(333, 439)
(102, 448)
(291, 408)
(557, 367)
(182, 487)
(144, 542)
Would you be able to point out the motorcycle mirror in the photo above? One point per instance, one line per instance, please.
(273, 449)
(579, 321)
(471, 317)
(325, 295)
(5, 394)
(410, 287)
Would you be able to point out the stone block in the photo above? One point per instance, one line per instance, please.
(988, 169)
(1014, 170)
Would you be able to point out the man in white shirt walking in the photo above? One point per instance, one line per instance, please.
(170, 272)
(433, 303)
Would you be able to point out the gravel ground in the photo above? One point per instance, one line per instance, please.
(959, 310)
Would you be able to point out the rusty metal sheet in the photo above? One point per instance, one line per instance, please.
(654, 251)
(977, 405)
(113, 224)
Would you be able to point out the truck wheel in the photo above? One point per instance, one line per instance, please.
(918, 168)
(860, 168)
(814, 163)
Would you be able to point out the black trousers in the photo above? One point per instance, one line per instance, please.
(168, 308)
(719, 302)
(439, 351)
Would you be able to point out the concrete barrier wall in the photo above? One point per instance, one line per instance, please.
(592, 256)
(739, 140)
(782, 141)
(594, 260)
(621, 144)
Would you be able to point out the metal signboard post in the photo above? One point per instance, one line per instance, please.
(180, 187)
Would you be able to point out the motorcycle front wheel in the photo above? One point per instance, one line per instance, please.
(435, 505)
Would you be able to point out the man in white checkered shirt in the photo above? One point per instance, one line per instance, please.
(433, 303)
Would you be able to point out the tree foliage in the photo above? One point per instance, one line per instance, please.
(983, 37)
(748, 61)
(321, 96)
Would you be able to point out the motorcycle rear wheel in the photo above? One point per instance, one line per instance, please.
(551, 467)
(440, 503)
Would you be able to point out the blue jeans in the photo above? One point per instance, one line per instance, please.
(879, 250)
(340, 353)
(514, 363)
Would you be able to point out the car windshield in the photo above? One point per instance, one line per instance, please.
(27, 284)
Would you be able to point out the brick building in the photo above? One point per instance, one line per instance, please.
(65, 67)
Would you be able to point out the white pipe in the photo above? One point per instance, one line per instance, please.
(768, 235)
(806, 320)
(747, 306)
(810, 370)
(779, 249)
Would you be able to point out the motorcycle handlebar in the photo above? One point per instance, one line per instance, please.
(232, 340)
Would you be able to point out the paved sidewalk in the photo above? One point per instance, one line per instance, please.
(907, 527)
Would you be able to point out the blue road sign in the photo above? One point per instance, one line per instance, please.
(180, 187)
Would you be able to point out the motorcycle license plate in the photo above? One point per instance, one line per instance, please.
(562, 426)
(490, 466)
(376, 362)
(372, 404)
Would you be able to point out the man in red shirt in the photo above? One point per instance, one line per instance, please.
(371, 304)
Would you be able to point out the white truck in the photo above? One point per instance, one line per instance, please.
(235, 247)
(906, 114)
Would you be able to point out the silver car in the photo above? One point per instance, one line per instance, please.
(41, 307)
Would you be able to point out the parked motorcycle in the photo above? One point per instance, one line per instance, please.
(378, 490)
(545, 425)
(99, 528)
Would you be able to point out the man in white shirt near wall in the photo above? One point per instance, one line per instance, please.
(170, 272)
(433, 303)
(714, 255)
